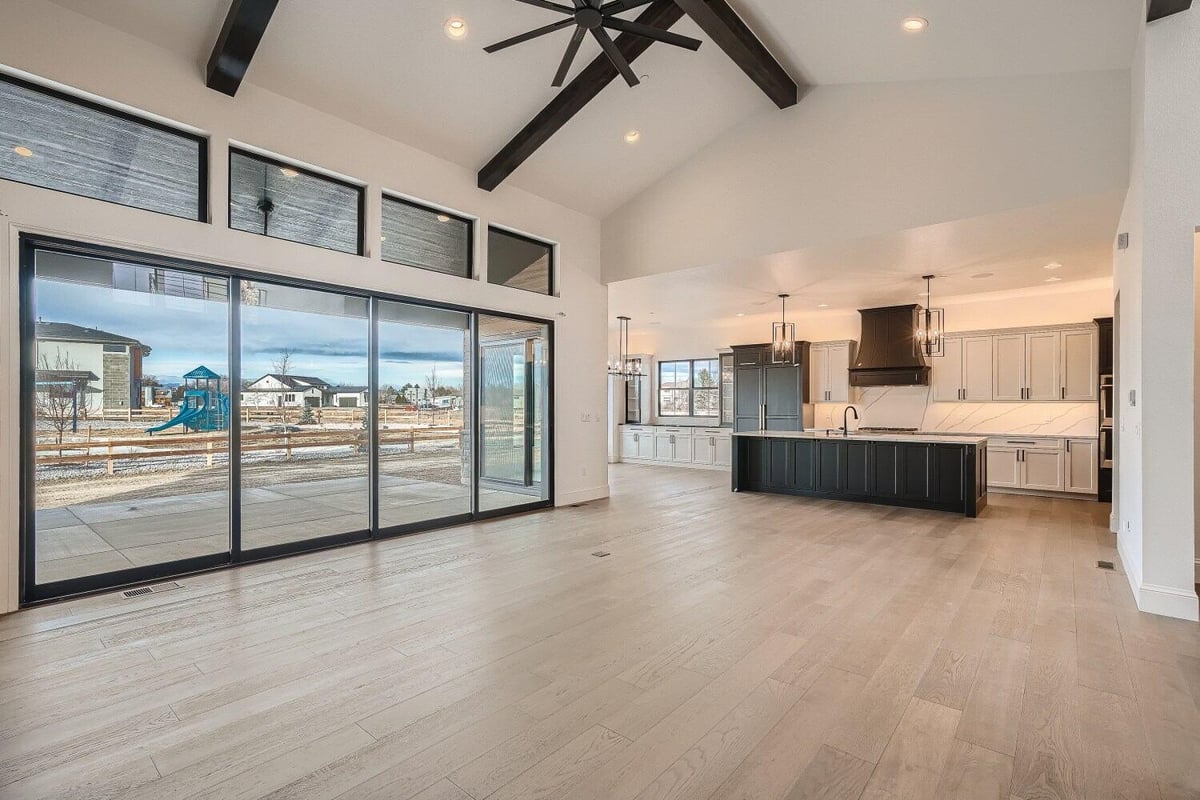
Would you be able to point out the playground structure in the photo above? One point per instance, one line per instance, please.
(203, 409)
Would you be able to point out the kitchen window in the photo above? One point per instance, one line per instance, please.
(689, 388)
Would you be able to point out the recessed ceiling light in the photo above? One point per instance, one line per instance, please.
(383, 238)
(443, 218)
(456, 28)
(288, 172)
(22, 151)
(741, 313)
(822, 305)
(1053, 278)
(979, 275)
(1053, 265)
(914, 24)
(632, 136)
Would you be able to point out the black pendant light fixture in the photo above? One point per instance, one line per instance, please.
(783, 337)
(623, 366)
(931, 324)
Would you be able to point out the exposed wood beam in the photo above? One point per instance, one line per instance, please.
(1165, 8)
(725, 27)
(243, 30)
(574, 96)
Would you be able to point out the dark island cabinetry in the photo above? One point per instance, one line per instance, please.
(938, 475)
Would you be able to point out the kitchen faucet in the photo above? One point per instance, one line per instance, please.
(845, 419)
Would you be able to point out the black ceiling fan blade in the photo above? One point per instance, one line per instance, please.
(546, 4)
(569, 57)
(650, 32)
(533, 34)
(614, 55)
(617, 6)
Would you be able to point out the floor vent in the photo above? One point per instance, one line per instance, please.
(155, 589)
(1104, 564)
(601, 554)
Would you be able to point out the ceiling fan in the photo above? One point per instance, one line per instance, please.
(595, 16)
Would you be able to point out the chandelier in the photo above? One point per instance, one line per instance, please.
(930, 324)
(783, 337)
(623, 365)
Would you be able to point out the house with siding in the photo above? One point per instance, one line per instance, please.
(115, 360)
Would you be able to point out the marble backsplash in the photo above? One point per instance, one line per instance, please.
(910, 407)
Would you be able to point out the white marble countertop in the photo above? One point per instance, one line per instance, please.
(923, 438)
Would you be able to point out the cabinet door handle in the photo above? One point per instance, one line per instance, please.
(1064, 393)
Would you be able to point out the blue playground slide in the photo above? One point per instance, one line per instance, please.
(182, 418)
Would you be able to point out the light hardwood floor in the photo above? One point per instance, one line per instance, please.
(731, 646)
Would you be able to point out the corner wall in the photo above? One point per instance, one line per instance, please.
(46, 40)
(1157, 282)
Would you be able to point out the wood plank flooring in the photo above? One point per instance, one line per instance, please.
(732, 646)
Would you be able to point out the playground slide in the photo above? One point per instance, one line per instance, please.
(182, 418)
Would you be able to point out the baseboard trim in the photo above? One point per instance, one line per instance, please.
(648, 462)
(1042, 493)
(1169, 602)
(1166, 601)
(581, 495)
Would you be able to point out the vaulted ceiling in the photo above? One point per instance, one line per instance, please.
(387, 66)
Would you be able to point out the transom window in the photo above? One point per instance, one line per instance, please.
(688, 388)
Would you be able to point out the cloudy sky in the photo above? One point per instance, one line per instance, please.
(185, 333)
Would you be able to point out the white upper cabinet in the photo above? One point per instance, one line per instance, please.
(1043, 360)
(948, 372)
(829, 372)
(965, 371)
(1008, 374)
(1079, 365)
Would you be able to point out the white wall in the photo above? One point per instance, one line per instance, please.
(1157, 278)
(849, 162)
(44, 39)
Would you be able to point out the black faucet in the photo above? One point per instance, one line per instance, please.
(845, 419)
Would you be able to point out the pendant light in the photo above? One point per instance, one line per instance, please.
(623, 366)
(783, 337)
(931, 324)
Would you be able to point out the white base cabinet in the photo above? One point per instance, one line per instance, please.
(1042, 464)
(678, 446)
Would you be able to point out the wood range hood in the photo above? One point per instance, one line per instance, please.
(888, 351)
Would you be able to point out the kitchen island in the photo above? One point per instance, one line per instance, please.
(940, 472)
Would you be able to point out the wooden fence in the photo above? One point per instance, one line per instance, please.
(207, 445)
(388, 415)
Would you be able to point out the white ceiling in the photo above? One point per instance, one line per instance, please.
(385, 64)
(1014, 247)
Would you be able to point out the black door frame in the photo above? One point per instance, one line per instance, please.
(32, 593)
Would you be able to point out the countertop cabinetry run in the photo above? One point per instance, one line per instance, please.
(676, 445)
(1042, 464)
(1019, 365)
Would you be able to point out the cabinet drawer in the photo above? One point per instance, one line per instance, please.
(1027, 442)
(676, 432)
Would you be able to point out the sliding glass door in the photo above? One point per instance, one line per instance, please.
(178, 417)
(424, 414)
(304, 400)
(514, 402)
(126, 420)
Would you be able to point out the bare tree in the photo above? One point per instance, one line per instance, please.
(57, 402)
(281, 367)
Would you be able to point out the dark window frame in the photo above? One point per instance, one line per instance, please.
(31, 593)
(691, 388)
(551, 285)
(472, 225)
(203, 144)
(361, 189)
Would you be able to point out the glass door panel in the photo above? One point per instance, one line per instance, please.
(514, 408)
(424, 414)
(304, 415)
(130, 402)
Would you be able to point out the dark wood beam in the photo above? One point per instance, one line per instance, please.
(243, 30)
(725, 27)
(574, 96)
(1165, 8)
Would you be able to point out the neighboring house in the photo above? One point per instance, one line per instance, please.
(285, 391)
(348, 396)
(116, 361)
